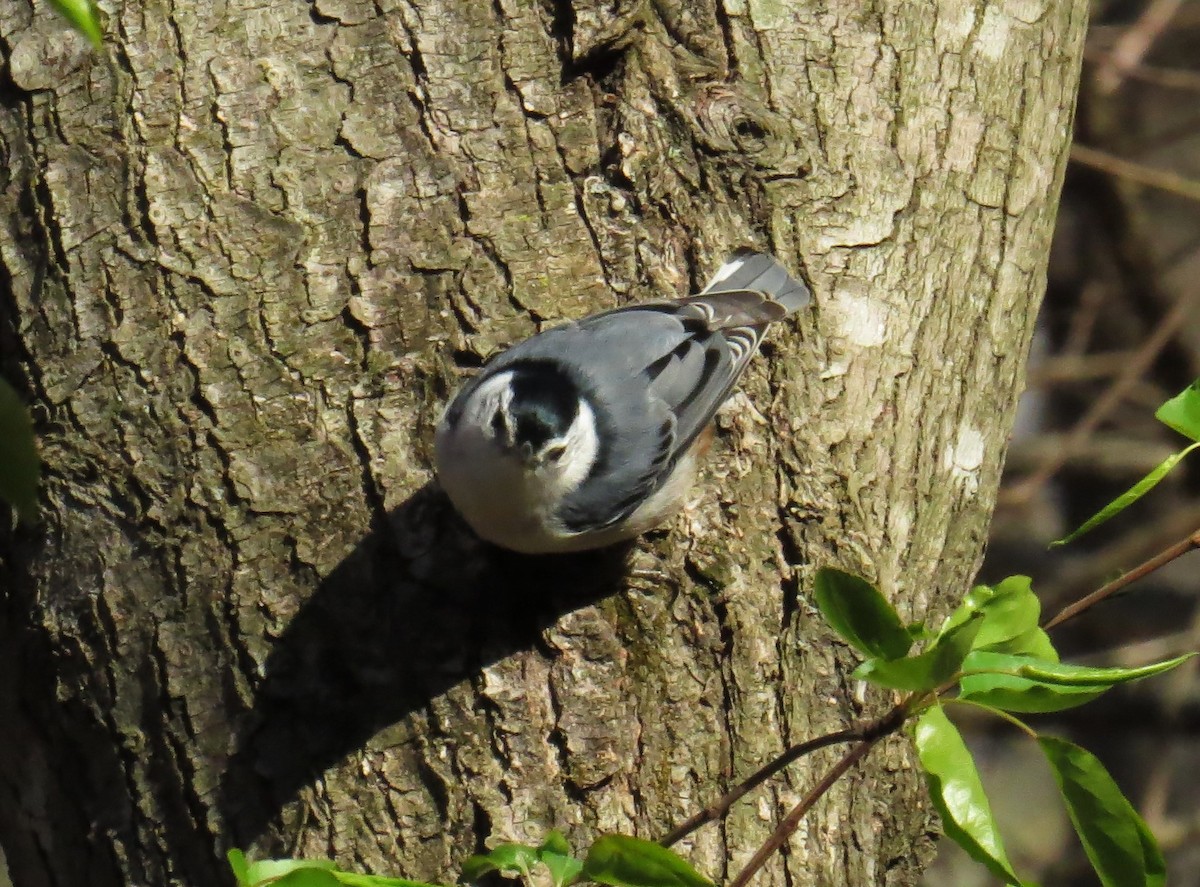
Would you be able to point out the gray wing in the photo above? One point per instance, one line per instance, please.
(693, 371)
(655, 374)
(608, 363)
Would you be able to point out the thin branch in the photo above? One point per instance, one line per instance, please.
(1168, 78)
(870, 733)
(1083, 319)
(1077, 368)
(784, 831)
(720, 807)
(1134, 43)
(1143, 569)
(1162, 179)
(888, 723)
(1107, 455)
(1074, 580)
(1024, 490)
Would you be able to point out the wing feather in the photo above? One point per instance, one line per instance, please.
(655, 375)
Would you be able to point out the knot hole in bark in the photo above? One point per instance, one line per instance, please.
(596, 33)
(730, 122)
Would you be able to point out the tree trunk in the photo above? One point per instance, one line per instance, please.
(246, 262)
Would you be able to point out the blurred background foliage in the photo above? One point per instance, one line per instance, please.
(1118, 335)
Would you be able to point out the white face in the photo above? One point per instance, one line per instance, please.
(505, 490)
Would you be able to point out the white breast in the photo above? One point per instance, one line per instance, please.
(507, 504)
(488, 488)
(490, 491)
(493, 489)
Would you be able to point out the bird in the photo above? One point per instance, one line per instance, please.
(590, 433)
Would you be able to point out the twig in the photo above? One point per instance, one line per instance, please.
(720, 807)
(792, 820)
(1181, 311)
(1163, 179)
(1137, 543)
(1177, 833)
(1108, 455)
(1169, 78)
(886, 724)
(1134, 43)
(870, 733)
(1077, 368)
(1083, 319)
(1143, 569)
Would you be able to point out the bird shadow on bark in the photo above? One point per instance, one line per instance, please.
(419, 606)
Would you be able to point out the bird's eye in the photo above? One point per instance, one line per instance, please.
(555, 452)
(499, 424)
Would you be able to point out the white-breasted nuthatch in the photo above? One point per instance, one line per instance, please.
(589, 433)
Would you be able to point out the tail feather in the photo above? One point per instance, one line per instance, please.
(761, 273)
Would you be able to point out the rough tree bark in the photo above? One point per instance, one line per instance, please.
(243, 265)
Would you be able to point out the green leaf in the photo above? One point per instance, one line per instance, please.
(305, 873)
(931, 668)
(354, 879)
(554, 842)
(1137, 491)
(856, 610)
(1116, 840)
(512, 858)
(275, 870)
(241, 868)
(19, 465)
(971, 602)
(1034, 643)
(1010, 612)
(555, 855)
(1026, 697)
(1010, 692)
(1086, 676)
(920, 632)
(958, 794)
(475, 867)
(1017, 584)
(1024, 684)
(1182, 412)
(307, 877)
(622, 861)
(564, 868)
(83, 16)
